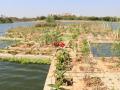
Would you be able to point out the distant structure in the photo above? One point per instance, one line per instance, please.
(2, 16)
(63, 14)
(67, 14)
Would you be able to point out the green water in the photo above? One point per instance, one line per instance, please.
(22, 77)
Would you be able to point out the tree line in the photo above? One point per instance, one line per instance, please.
(59, 17)
(74, 17)
(6, 20)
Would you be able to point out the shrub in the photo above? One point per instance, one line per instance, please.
(45, 25)
(50, 19)
(85, 48)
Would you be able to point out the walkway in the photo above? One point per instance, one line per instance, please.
(50, 77)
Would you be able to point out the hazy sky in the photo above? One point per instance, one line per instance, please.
(32, 8)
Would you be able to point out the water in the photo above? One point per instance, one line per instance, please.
(6, 43)
(103, 50)
(114, 26)
(15, 76)
(30, 76)
(22, 77)
(6, 27)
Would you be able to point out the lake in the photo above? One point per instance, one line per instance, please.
(6, 27)
(15, 76)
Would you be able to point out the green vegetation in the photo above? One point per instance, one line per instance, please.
(62, 65)
(42, 38)
(63, 60)
(85, 48)
(74, 17)
(6, 20)
(116, 45)
(27, 60)
(51, 18)
(50, 22)
(45, 36)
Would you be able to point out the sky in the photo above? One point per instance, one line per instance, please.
(33, 8)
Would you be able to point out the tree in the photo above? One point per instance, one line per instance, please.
(57, 17)
(50, 19)
(6, 20)
(41, 18)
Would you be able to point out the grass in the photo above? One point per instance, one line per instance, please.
(27, 60)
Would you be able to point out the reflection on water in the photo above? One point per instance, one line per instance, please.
(22, 77)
